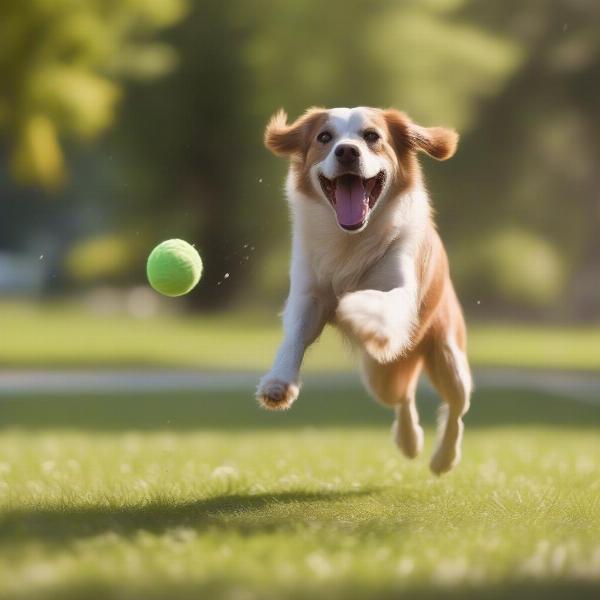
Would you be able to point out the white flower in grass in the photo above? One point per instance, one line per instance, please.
(451, 571)
(182, 534)
(48, 466)
(558, 558)
(536, 564)
(289, 480)
(405, 567)
(225, 472)
(595, 560)
(40, 573)
(319, 565)
(585, 465)
(142, 484)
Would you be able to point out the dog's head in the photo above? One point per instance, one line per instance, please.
(354, 158)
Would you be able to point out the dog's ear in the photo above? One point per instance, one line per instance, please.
(283, 139)
(439, 142)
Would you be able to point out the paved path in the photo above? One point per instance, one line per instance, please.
(578, 386)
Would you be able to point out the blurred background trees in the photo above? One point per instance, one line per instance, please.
(60, 66)
(181, 93)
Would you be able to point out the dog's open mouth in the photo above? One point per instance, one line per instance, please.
(352, 197)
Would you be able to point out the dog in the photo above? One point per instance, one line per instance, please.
(366, 258)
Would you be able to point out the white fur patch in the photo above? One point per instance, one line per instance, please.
(347, 125)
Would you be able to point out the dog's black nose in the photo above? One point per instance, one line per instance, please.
(347, 153)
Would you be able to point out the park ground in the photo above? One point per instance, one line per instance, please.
(200, 494)
(59, 335)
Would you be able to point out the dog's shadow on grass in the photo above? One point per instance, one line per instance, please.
(245, 513)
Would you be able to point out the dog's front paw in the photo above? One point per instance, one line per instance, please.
(275, 394)
(367, 316)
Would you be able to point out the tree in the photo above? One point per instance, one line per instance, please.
(538, 172)
(61, 67)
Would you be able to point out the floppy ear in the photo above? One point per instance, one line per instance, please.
(438, 142)
(283, 139)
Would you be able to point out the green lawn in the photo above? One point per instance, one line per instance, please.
(196, 496)
(47, 336)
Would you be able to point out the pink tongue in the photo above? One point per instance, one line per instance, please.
(350, 204)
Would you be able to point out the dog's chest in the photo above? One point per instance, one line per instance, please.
(338, 262)
(340, 266)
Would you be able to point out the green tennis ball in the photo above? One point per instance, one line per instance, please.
(174, 268)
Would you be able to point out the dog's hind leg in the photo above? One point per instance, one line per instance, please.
(449, 372)
(394, 384)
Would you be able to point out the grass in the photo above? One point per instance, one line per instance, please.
(49, 336)
(205, 496)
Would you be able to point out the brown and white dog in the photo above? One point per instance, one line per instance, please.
(367, 258)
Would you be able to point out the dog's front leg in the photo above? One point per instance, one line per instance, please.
(382, 316)
(303, 320)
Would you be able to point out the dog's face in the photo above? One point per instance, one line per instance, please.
(352, 159)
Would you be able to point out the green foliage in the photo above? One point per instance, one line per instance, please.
(401, 54)
(530, 160)
(61, 62)
(99, 258)
(513, 266)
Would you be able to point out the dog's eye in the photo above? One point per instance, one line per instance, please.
(371, 136)
(324, 137)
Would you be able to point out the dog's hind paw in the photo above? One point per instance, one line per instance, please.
(444, 460)
(409, 438)
(275, 394)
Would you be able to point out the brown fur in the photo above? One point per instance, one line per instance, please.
(298, 142)
(438, 142)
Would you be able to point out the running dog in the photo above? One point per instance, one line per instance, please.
(366, 258)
